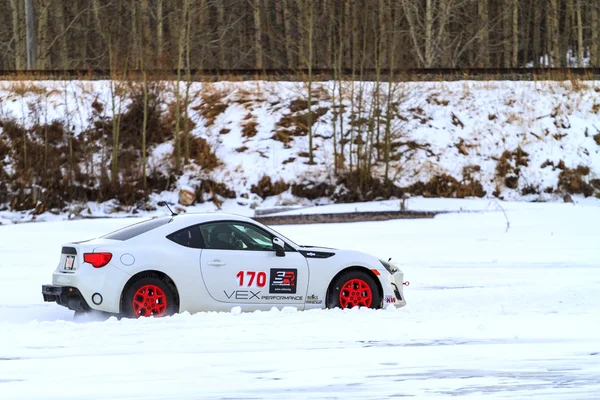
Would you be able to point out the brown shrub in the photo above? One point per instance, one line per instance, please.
(266, 188)
(282, 137)
(54, 131)
(573, 181)
(597, 139)
(297, 125)
(311, 190)
(298, 105)
(13, 129)
(211, 106)
(508, 168)
(158, 127)
(447, 186)
(203, 155)
(530, 189)
(213, 188)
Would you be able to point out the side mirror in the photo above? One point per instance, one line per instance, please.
(279, 247)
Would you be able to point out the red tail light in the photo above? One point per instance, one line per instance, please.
(98, 260)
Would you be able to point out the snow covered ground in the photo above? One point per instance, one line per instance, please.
(491, 314)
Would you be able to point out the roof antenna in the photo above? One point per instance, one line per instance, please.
(164, 204)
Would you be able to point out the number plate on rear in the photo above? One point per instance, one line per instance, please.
(69, 263)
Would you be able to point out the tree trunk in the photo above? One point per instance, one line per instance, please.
(428, 33)
(556, 56)
(146, 38)
(258, 47)
(17, 34)
(537, 35)
(287, 26)
(301, 29)
(160, 45)
(506, 29)
(348, 45)
(221, 33)
(309, 64)
(204, 28)
(31, 39)
(515, 33)
(579, 36)
(594, 56)
(43, 56)
(567, 36)
(63, 50)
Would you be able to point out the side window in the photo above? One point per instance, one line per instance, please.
(188, 237)
(259, 239)
(236, 236)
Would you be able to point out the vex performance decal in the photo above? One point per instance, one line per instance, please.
(242, 294)
(283, 280)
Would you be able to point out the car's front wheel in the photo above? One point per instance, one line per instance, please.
(149, 297)
(354, 288)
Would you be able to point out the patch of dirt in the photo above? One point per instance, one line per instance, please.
(266, 188)
(249, 129)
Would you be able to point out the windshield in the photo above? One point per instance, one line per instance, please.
(284, 238)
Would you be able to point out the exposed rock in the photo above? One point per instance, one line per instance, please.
(186, 197)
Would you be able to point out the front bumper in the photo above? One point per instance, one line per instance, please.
(66, 296)
(393, 289)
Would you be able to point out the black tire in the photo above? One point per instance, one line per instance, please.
(356, 297)
(153, 287)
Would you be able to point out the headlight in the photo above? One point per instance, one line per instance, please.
(390, 268)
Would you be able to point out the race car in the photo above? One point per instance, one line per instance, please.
(213, 262)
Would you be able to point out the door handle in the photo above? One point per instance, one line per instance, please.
(216, 263)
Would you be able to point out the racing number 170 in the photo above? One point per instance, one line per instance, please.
(261, 278)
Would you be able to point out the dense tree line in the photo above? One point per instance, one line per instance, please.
(351, 34)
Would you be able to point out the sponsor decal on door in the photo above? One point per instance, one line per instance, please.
(283, 280)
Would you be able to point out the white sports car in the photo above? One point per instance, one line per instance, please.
(213, 262)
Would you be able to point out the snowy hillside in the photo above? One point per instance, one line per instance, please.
(533, 141)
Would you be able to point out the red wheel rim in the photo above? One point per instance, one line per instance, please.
(149, 300)
(354, 293)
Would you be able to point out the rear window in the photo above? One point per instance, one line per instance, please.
(137, 229)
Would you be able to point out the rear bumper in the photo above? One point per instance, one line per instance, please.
(66, 296)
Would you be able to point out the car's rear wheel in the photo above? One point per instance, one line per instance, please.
(149, 297)
(354, 288)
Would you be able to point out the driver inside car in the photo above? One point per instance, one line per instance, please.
(223, 237)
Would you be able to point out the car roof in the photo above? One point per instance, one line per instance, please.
(183, 220)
